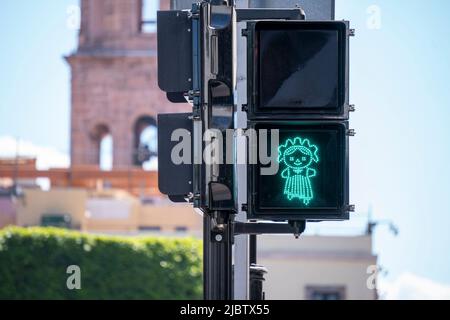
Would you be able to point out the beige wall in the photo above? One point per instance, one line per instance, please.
(294, 265)
(36, 203)
(170, 217)
(120, 213)
(109, 211)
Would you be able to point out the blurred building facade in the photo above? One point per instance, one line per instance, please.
(115, 95)
(114, 81)
(110, 211)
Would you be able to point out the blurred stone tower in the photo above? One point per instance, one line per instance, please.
(114, 80)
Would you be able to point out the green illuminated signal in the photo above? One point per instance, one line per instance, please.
(298, 155)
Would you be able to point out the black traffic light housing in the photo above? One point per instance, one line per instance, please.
(298, 84)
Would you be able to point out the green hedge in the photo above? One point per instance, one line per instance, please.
(34, 261)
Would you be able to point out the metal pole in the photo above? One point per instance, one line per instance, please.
(241, 244)
(206, 257)
(218, 233)
(253, 249)
(217, 261)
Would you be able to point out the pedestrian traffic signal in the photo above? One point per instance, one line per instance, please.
(298, 88)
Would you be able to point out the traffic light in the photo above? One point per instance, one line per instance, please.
(283, 82)
(298, 88)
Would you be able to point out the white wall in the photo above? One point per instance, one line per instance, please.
(316, 261)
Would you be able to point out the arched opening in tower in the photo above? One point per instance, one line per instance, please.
(106, 153)
(103, 154)
(146, 143)
(148, 10)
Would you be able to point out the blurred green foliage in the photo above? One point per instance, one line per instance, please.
(34, 262)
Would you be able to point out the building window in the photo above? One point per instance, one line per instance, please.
(325, 293)
(181, 229)
(149, 9)
(150, 229)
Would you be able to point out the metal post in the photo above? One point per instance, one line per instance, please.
(217, 261)
(218, 231)
(253, 249)
(207, 290)
(256, 272)
(241, 244)
(256, 282)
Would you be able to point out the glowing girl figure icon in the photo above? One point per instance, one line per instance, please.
(298, 155)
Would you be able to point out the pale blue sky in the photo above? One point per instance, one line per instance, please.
(401, 155)
(399, 77)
